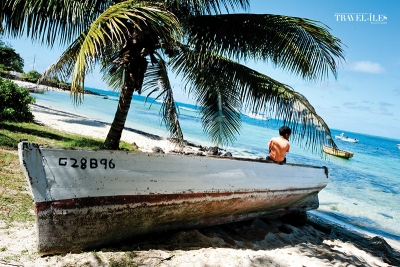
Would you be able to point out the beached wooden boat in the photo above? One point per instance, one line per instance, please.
(337, 152)
(86, 199)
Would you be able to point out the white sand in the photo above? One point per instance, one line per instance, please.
(256, 243)
(259, 242)
(34, 85)
(74, 123)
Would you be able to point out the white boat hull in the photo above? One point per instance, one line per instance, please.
(346, 139)
(85, 199)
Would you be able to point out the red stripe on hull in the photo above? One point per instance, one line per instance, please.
(76, 224)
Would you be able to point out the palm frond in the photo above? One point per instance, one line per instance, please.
(112, 68)
(111, 28)
(219, 112)
(50, 21)
(113, 24)
(65, 65)
(108, 32)
(302, 46)
(257, 92)
(157, 81)
(204, 7)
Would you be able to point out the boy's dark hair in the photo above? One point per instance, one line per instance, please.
(284, 130)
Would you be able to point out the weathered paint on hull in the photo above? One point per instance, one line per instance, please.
(80, 210)
(64, 227)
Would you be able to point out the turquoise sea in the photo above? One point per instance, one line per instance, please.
(363, 193)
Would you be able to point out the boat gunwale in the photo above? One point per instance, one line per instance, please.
(259, 160)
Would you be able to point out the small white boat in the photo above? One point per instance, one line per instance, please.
(257, 116)
(346, 138)
(85, 199)
(398, 146)
(189, 109)
(160, 100)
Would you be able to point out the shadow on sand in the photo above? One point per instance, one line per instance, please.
(263, 234)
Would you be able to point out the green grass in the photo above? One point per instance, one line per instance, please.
(11, 133)
(15, 201)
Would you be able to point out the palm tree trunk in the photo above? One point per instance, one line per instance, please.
(115, 132)
(135, 71)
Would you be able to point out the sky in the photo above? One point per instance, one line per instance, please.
(365, 96)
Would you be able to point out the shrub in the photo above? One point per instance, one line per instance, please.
(32, 76)
(14, 102)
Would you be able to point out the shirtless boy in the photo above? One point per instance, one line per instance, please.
(279, 146)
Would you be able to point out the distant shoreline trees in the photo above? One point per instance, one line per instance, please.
(9, 59)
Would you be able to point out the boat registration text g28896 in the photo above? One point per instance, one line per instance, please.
(84, 163)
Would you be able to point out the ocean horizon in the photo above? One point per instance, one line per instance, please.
(363, 192)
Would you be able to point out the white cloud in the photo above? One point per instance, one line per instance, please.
(369, 107)
(385, 104)
(367, 66)
(382, 111)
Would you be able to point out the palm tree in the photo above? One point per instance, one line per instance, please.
(139, 43)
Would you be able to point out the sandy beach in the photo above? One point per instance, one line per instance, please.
(260, 242)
